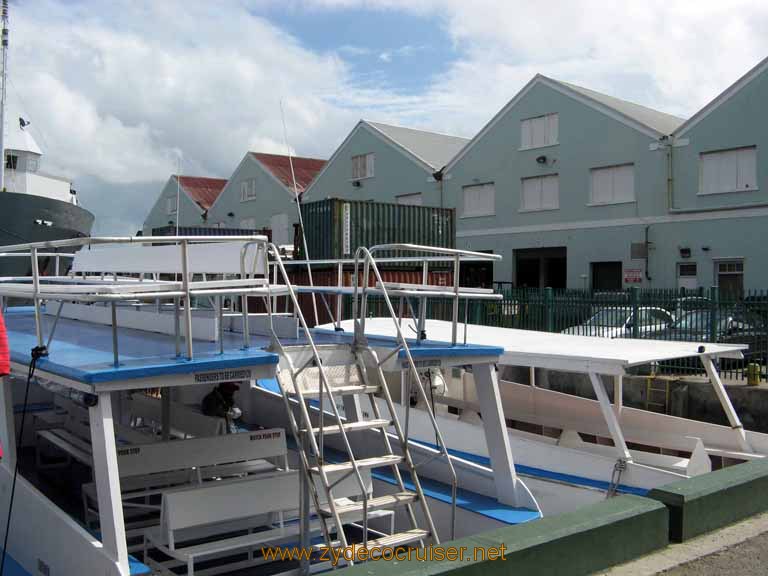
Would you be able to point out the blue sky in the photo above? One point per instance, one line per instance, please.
(402, 51)
(118, 91)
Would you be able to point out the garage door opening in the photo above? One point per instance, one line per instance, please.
(606, 276)
(541, 267)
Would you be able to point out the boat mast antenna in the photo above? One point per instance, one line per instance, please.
(3, 93)
(298, 208)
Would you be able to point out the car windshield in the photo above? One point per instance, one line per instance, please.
(613, 317)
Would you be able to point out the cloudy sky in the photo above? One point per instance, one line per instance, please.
(118, 89)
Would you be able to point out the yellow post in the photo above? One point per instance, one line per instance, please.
(753, 374)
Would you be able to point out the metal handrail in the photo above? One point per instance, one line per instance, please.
(324, 383)
(369, 263)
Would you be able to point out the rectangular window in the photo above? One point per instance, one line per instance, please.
(11, 161)
(479, 200)
(613, 185)
(170, 205)
(362, 166)
(410, 199)
(728, 171)
(540, 193)
(248, 190)
(248, 223)
(540, 131)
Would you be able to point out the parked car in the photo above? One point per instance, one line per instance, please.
(619, 322)
(736, 326)
(689, 304)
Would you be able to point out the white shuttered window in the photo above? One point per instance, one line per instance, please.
(248, 190)
(362, 166)
(410, 199)
(479, 200)
(540, 131)
(728, 171)
(540, 193)
(613, 184)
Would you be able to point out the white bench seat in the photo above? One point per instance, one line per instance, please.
(214, 506)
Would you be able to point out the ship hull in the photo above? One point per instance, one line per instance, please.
(24, 218)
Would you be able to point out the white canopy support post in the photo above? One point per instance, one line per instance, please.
(499, 450)
(107, 475)
(618, 393)
(610, 417)
(725, 401)
(8, 428)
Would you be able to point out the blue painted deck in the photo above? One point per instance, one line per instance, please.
(82, 351)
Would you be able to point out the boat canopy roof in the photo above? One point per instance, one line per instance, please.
(563, 351)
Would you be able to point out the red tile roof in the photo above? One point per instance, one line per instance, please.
(203, 191)
(305, 169)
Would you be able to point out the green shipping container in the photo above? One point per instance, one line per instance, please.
(335, 228)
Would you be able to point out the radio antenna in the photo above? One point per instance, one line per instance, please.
(297, 198)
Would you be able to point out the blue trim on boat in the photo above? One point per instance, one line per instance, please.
(540, 472)
(81, 360)
(13, 568)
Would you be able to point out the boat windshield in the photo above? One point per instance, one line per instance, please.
(613, 317)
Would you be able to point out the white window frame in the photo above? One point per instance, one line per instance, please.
(748, 162)
(248, 190)
(549, 123)
(363, 166)
(170, 205)
(490, 187)
(399, 199)
(540, 180)
(604, 170)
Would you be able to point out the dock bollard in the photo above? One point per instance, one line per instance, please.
(753, 374)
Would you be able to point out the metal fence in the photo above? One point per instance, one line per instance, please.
(694, 316)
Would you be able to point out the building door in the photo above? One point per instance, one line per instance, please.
(686, 277)
(606, 276)
(730, 278)
(541, 267)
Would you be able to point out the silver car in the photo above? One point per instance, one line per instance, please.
(619, 322)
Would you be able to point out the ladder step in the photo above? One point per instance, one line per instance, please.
(389, 541)
(399, 539)
(376, 462)
(341, 391)
(387, 502)
(353, 426)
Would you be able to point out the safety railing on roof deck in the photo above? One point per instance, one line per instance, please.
(369, 264)
(115, 288)
(429, 267)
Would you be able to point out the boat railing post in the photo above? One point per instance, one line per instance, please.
(36, 297)
(455, 315)
(187, 297)
(618, 393)
(115, 350)
(8, 429)
(339, 296)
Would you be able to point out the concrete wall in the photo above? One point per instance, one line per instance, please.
(189, 212)
(395, 173)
